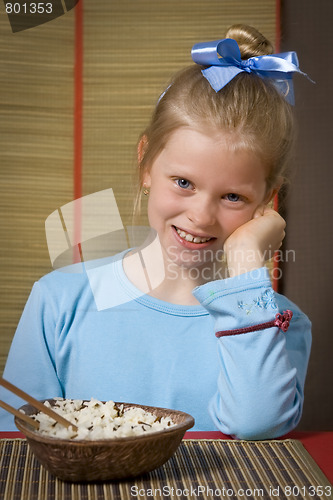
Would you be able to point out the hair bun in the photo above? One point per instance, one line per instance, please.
(250, 41)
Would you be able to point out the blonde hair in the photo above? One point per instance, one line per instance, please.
(249, 109)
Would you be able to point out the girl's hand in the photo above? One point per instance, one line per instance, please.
(255, 242)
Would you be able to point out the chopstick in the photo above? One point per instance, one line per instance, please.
(36, 404)
(19, 414)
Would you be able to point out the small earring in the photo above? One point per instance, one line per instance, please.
(145, 190)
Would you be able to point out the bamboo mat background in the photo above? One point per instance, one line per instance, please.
(204, 469)
(130, 50)
(36, 154)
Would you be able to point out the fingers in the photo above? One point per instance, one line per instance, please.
(264, 210)
(271, 231)
(259, 212)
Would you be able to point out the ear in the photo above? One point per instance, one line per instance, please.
(146, 179)
(142, 147)
(145, 175)
(271, 193)
(270, 196)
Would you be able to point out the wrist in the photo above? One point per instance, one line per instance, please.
(243, 260)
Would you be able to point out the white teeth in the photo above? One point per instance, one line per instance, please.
(190, 237)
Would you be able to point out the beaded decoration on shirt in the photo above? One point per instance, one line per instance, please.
(282, 321)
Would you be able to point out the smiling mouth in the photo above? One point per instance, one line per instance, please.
(191, 237)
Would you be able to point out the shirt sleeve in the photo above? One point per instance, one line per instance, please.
(31, 361)
(260, 389)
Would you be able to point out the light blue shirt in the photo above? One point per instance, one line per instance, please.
(93, 334)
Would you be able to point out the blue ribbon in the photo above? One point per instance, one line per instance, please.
(224, 62)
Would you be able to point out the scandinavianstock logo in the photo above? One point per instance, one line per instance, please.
(23, 15)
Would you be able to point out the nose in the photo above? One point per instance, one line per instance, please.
(202, 212)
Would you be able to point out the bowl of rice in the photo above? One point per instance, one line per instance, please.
(113, 440)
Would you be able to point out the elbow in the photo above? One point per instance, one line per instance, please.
(255, 429)
(263, 428)
(253, 423)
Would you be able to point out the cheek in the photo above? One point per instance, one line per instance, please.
(163, 200)
(161, 206)
(233, 220)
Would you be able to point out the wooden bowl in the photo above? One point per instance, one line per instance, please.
(103, 460)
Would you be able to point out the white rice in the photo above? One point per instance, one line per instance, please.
(97, 420)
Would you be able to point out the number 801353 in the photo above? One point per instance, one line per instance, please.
(29, 8)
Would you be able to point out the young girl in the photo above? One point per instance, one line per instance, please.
(188, 320)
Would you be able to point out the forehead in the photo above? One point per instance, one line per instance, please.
(208, 142)
(196, 154)
(206, 135)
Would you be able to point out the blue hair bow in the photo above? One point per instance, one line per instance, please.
(224, 60)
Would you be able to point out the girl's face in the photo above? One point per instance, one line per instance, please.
(201, 190)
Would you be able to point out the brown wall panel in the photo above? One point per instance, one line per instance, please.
(308, 280)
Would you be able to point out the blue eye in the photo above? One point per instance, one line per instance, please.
(233, 197)
(183, 183)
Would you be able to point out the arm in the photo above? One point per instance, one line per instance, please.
(261, 381)
(31, 361)
(262, 372)
(255, 242)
